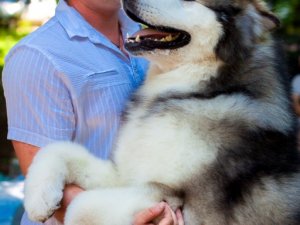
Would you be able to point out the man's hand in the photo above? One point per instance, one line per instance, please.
(161, 213)
(70, 192)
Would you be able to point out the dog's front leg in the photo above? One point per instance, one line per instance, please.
(57, 165)
(116, 206)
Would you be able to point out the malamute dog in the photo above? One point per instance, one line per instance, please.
(211, 130)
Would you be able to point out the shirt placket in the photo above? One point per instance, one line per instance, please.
(134, 69)
(132, 66)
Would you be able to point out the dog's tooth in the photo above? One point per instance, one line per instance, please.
(169, 38)
(129, 41)
(138, 38)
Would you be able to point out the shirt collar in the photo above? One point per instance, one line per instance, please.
(75, 25)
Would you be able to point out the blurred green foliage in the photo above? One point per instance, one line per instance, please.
(10, 36)
(8, 39)
(288, 12)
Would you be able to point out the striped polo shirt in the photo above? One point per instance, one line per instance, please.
(67, 81)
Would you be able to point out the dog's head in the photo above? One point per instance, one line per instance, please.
(218, 29)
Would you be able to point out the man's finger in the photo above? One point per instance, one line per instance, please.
(147, 215)
(169, 217)
(179, 217)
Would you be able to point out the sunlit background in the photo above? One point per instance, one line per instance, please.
(20, 17)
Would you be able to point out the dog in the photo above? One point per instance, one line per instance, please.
(211, 130)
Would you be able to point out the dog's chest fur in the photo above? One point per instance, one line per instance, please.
(192, 141)
(165, 141)
(166, 128)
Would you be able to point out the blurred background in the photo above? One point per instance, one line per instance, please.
(20, 17)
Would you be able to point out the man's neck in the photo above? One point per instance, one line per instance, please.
(106, 22)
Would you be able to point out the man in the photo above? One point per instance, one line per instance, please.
(70, 80)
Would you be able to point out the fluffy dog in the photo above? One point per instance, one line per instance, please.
(211, 130)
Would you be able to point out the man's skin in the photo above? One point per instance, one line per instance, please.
(103, 16)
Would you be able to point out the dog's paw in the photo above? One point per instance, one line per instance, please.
(43, 190)
(42, 201)
(44, 183)
(84, 210)
(115, 206)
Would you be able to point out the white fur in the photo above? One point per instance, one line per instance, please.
(136, 200)
(57, 165)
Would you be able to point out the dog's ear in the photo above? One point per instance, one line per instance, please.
(269, 20)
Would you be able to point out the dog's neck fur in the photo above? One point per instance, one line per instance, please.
(182, 77)
(204, 68)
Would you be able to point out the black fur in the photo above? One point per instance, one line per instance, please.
(260, 154)
(230, 48)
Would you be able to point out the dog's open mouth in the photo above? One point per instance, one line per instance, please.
(155, 37)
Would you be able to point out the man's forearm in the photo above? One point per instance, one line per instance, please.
(25, 154)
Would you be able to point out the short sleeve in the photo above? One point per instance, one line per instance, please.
(39, 106)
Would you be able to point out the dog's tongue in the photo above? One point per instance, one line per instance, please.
(149, 32)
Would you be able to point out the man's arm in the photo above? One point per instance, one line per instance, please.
(24, 69)
(25, 154)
